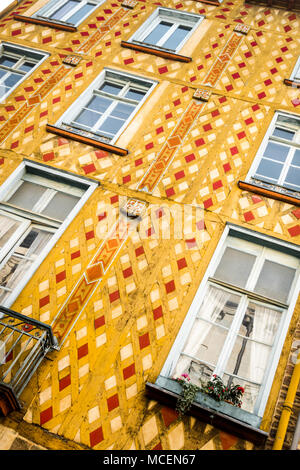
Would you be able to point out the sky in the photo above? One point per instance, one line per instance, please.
(4, 4)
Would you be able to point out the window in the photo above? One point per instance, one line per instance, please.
(70, 12)
(296, 72)
(107, 106)
(167, 29)
(16, 63)
(239, 317)
(277, 164)
(36, 205)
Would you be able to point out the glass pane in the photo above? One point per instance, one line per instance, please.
(8, 227)
(269, 169)
(87, 118)
(210, 342)
(177, 37)
(275, 281)
(235, 267)
(99, 104)
(60, 206)
(198, 371)
(250, 394)
(122, 110)
(133, 94)
(81, 13)
(8, 61)
(3, 90)
(248, 359)
(111, 88)
(260, 322)
(296, 158)
(219, 306)
(283, 133)
(158, 32)
(17, 265)
(61, 12)
(26, 66)
(293, 177)
(111, 125)
(27, 195)
(12, 80)
(276, 151)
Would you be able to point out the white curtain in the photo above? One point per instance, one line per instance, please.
(213, 303)
(265, 324)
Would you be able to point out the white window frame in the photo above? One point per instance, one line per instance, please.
(53, 5)
(16, 50)
(296, 71)
(199, 296)
(176, 17)
(114, 76)
(259, 155)
(9, 186)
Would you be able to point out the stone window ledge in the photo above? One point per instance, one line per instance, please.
(268, 193)
(48, 24)
(210, 411)
(155, 51)
(86, 140)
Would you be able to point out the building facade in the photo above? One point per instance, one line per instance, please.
(149, 211)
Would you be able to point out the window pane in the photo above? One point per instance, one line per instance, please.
(61, 12)
(260, 323)
(296, 158)
(87, 118)
(26, 66)
(111, 88)
(293, 177)
(283, 133)
(219, 306)
(270, 170)
(8, 61)
(122, 110)
(235, 267)
(158, 32)
(81, 13)
(60, 206)
(251, 391)
(276, 151)
(177, 37)
(8, 227)
(21, 260)
(206, 339)
(133, 94)
(99, 104)
(210, 344)
(248, 359)
(27, 195)
(275, 281)
(111, 125)
(12, 80)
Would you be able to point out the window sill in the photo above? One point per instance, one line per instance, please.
(86, 140)
(268, 193)
(210, 2)
(291, 83)
(223, 416)
(156, 51)
(49, 24)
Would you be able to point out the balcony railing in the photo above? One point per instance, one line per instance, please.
(24, 342)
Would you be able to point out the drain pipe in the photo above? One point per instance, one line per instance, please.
(287, 407)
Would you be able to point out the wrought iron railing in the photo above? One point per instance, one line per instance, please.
(24, 342)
